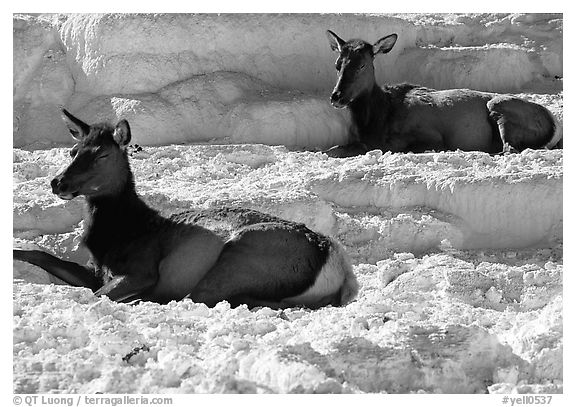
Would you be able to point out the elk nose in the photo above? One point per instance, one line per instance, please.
(338, 100)
(336, 96)
(58, 186)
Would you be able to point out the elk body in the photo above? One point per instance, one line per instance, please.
(239, 255)
(406, 117)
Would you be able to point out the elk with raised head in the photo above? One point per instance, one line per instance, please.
(136, 254)
(411, 118)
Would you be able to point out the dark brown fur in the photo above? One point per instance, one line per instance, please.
(250, 257)
(411, 118)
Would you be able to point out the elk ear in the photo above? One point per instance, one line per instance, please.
(384, 45)
(78, 129)
(122, 134)
(336, 43)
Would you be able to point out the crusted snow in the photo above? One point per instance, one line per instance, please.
(186, 78)
(439, 310)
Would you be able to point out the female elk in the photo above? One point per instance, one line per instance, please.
(405, 117)
(257, 259)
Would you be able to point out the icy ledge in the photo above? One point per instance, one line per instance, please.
(375, 204)
(495, 202)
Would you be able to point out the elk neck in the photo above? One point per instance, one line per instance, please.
(113, 220)
(369, 112)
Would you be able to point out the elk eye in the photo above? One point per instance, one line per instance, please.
(362, 67)
(102, 156)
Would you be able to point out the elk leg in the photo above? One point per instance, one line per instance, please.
(521, 124)
(67, 271)
(264, 264)
(255, 302)
(126, 288)
(211, 299)
(349, 150)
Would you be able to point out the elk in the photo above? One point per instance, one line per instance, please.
(410, 118)
(248, 257)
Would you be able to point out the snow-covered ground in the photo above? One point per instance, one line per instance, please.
(442, 307)
(459, 255)
(258, 78)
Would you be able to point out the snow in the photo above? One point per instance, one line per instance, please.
(459, 254)
(418, 333)
(186, 78)
(440, 309)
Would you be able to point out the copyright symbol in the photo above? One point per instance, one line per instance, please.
(17, 400)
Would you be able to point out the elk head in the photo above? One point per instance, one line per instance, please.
(100, 163)
(355, 66)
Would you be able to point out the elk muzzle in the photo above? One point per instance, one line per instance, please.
(62, 188)
(337, 99)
